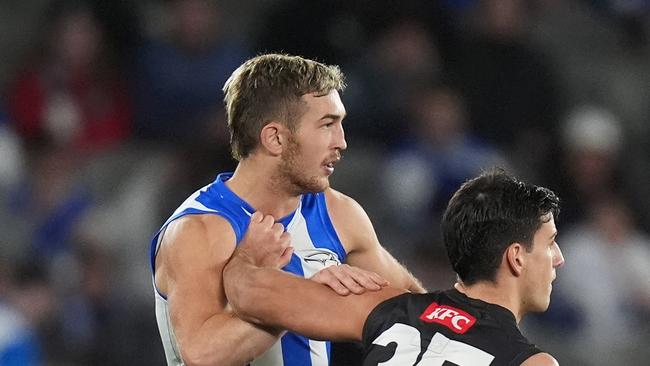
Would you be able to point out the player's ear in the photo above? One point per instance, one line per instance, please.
(514, 258)
(272, 137)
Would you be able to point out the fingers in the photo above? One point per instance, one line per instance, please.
(354, 280)
(257, 217)
(345, 279)
(326, 277)
(265, 242)
(367, 279)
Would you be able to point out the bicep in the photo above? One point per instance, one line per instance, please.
(193, 259)
(377, 259)
(360, 241)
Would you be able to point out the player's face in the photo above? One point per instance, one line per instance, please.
(542, 261)
(316, 145)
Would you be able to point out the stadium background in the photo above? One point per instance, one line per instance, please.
(110, 114)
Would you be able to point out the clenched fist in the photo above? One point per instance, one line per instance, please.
(266, 243)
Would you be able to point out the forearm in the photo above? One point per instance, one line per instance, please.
(224, 339)
(261, 295)
(245, 286)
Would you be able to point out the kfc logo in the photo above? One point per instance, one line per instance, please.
(455, 319)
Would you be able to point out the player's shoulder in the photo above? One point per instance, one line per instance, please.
(340, 203)
(200, 230)
(199, 223)
(540, 359)
(334, 195)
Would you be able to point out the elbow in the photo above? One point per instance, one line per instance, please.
(192, 357)
(199, 356)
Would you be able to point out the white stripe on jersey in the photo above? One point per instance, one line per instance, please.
(304, 246)
(319, 356)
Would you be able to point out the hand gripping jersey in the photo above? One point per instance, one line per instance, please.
(443, 328)
(316, 246)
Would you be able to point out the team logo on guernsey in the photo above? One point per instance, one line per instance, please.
(455, 319)
(322, 256)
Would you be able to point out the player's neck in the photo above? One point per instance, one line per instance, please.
(493, 293)
(252, 181)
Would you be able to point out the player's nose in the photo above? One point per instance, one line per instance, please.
(339, 142)
(558, 259)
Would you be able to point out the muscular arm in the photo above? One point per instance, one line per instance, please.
(268, 296)
(362, 245)
(189, 270)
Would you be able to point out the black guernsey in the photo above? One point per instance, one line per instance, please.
(443, 328)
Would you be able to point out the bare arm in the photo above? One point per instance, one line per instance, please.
(189, 270)
(541, 359)
(269, 296)
(360, 240)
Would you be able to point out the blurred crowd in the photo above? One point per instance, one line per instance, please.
(111, 113)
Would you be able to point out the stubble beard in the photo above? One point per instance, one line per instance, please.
(292, 174)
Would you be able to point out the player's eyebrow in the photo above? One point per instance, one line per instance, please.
(333, 116)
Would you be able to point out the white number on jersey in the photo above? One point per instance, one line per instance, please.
(440, 349)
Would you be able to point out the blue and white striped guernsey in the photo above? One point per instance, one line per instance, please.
(316, 246)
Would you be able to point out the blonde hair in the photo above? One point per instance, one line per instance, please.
(269, 87)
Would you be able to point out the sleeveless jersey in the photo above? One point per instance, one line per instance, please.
(316, 246)
(443, 328)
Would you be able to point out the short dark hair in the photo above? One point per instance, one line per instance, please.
(486, 215)
(269, 87)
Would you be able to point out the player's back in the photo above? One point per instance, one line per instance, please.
(443, 328)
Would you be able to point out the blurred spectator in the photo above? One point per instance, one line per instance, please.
(381, 82)
(592, 140)
(602, 60)
(93, 321)
(178, 78)
(606, 277)
(26, 309)
(287, 27)
(424, 170)
(13, 167)
(348, 27)
(71, 95)
(179, 75)
(630, 16)
(53, 198)
(511, 91)
(12, 163)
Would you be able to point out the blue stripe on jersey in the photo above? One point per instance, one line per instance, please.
(328, 346)
(295, 349)
(294, 266)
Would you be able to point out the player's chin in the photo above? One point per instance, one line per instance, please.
(317, 184)
(322, 182)
(546, 305)
(540, 304)
(539, 308)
